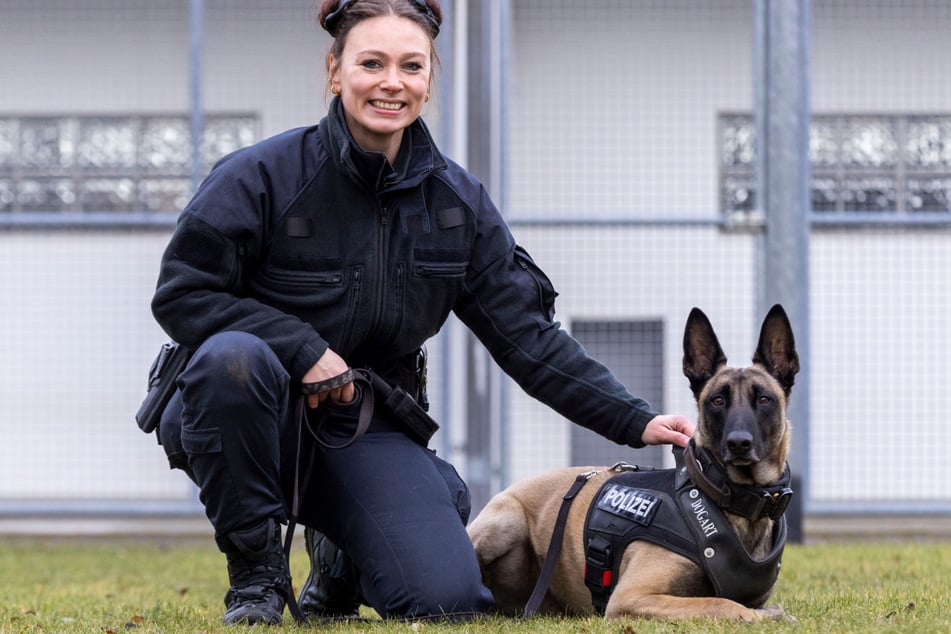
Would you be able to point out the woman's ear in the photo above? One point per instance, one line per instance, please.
(332, 68)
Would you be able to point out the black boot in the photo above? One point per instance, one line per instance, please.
(260, 581)
(331, 587)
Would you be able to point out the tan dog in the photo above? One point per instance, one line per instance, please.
(743, 432)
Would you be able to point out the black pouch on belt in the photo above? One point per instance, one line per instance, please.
(420, 425)
(165, 369)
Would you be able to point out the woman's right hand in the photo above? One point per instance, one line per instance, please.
(329, 365)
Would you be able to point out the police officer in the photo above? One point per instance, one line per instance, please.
(346, 245)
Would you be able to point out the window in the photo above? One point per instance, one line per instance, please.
(868, 163)
(108, 163)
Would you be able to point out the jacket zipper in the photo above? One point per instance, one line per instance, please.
(380, 311)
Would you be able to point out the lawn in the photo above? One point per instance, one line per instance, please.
(125, 586)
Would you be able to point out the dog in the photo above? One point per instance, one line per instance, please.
(742, 432)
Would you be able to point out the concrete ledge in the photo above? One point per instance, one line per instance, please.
(816, 527)
(852, 527)
(106, 526)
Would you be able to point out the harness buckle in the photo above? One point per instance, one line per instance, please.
(624, 466)
(781, 502)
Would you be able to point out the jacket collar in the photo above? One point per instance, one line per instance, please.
(418, 156)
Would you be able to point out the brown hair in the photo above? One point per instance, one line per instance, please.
(337, 17)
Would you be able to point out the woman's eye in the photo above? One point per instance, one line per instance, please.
(413, 67)
(371, 63)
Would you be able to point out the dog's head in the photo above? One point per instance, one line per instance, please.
(741, 412)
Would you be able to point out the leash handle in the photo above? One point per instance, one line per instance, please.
(554, 546)
(361, 382)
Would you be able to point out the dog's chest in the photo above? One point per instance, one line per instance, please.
(664, 508)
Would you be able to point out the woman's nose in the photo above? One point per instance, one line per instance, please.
(391, 79)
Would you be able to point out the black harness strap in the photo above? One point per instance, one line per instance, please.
(554, 546)
(684, 510)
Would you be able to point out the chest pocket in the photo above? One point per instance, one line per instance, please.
(440, 263)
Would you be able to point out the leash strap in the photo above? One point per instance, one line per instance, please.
(366, 405)
(403, 405)
(554, 546)
(328, 385)
(300, 484)
(292, 604)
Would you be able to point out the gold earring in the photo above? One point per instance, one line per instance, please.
(334, 90)
(427, 97)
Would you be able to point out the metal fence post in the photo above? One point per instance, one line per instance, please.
(782, 116)
(196, 30)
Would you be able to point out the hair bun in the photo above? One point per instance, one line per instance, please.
(333, 12)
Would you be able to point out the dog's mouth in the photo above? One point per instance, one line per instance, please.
(741, 473)
(739, 461)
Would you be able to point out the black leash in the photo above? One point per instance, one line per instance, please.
(361, 380)
(554, 546)
(369, 386)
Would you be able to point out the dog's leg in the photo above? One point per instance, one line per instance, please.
(500, 536)
(656, 583)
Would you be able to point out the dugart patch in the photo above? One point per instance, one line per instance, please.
(636, 505)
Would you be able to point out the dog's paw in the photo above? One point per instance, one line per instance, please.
(775, 613)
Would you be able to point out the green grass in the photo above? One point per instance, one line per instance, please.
(96, 586)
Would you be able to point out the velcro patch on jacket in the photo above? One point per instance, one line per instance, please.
(637, 505)
(449, 218)
(300, 227)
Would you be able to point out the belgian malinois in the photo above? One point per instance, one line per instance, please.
(739, 450)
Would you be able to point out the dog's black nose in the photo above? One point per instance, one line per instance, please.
(739, 443)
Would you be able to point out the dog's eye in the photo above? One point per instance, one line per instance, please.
(764, 400)
(717, 401)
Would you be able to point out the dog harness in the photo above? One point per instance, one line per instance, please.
(669, 508)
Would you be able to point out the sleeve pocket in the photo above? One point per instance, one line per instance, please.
(546, 290)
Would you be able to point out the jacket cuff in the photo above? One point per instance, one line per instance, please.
(307, 356)
(635, 430)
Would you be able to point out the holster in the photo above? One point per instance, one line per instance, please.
(169, 363)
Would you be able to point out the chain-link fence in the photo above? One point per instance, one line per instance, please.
(628, 173)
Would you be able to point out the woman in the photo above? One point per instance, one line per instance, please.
(347, 245)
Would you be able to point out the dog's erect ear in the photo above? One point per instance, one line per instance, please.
(776, 350)
(703, 355)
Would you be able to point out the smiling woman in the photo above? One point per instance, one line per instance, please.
(347, 245)
(382, 77)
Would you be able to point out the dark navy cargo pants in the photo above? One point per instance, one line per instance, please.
(397, 510)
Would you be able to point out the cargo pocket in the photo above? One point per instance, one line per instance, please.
(201, 441)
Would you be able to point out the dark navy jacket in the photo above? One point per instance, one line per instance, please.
(306, 241)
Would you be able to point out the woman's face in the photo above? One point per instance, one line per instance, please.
(382, 77)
